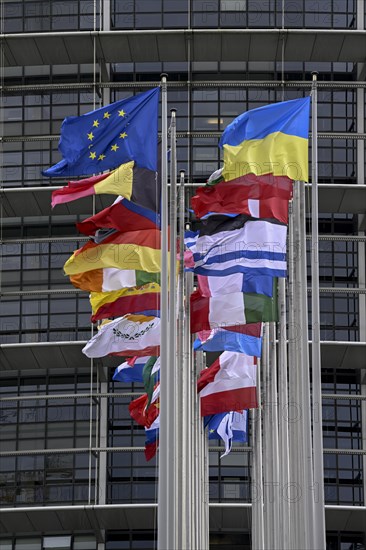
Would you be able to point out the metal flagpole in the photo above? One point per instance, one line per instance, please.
(257, 486)
(197, 456)
(267, 445)
(319, 519)
(305, 378)
(292, 405)
(174, 465)
(205, 481)
(301, 342)
(165, 520)
(273, 410)
(192, 393)
(301, 389)
(284, 449)
(183, 395)
(297, 481)
(203, 472)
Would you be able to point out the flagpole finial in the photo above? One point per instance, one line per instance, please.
(164, 77)
(315, 75)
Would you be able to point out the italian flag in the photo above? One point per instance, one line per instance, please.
(230, 309)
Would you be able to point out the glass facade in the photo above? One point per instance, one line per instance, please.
(56, 421)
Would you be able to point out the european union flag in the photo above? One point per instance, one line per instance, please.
(230, 426)
(110, 136)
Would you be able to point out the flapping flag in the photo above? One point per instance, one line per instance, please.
(131, 370)
(269, 140)
(249, 282)
(142, 415)
(110, 136)
(151, 367)
(118, 182)
(229, 384)
(143, 299)
(231, 426)
(139, 185)
(131, 250)
(225, 245)
(257, 196)
(108, 279)
(152, 439)
(239, 338)
(216, 177)
(230, 309)
(123, 215)
(129, 335)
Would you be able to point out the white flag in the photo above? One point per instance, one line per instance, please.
(126, 335)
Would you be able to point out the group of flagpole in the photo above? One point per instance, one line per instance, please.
(288, 511)
(319, 531)
(294, 461)
(165, 512)
(182, 500)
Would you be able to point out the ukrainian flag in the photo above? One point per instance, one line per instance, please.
(269, 140)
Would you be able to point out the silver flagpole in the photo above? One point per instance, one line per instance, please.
(257, 486)
(319, 519)
(174, 464)
(302, 435)
(284, 448)
(183, 395)
(299, 342)
(293, 412)
(165, 520)
(198, 456)
(192, 391)
(267, 445)
(203, 473)
(305, 382)
(273, 410)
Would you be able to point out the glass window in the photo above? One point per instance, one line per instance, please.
(57, 543)
(84, 542)
(28, 544)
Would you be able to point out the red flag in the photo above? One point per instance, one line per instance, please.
(229, 384)
(124, 216)
(257, 196)
(138, 411)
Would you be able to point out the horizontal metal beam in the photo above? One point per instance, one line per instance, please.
(97, 450)
(44, 292)
(78, 238)
(195, 134)
(57, 291)
(40, 240)
(98, 395)
(193, 84)
(46, 188)
(71, 396)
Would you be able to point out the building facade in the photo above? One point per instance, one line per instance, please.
(72, 468)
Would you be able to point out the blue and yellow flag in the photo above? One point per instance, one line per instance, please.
(269, 140)
(107, 137)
